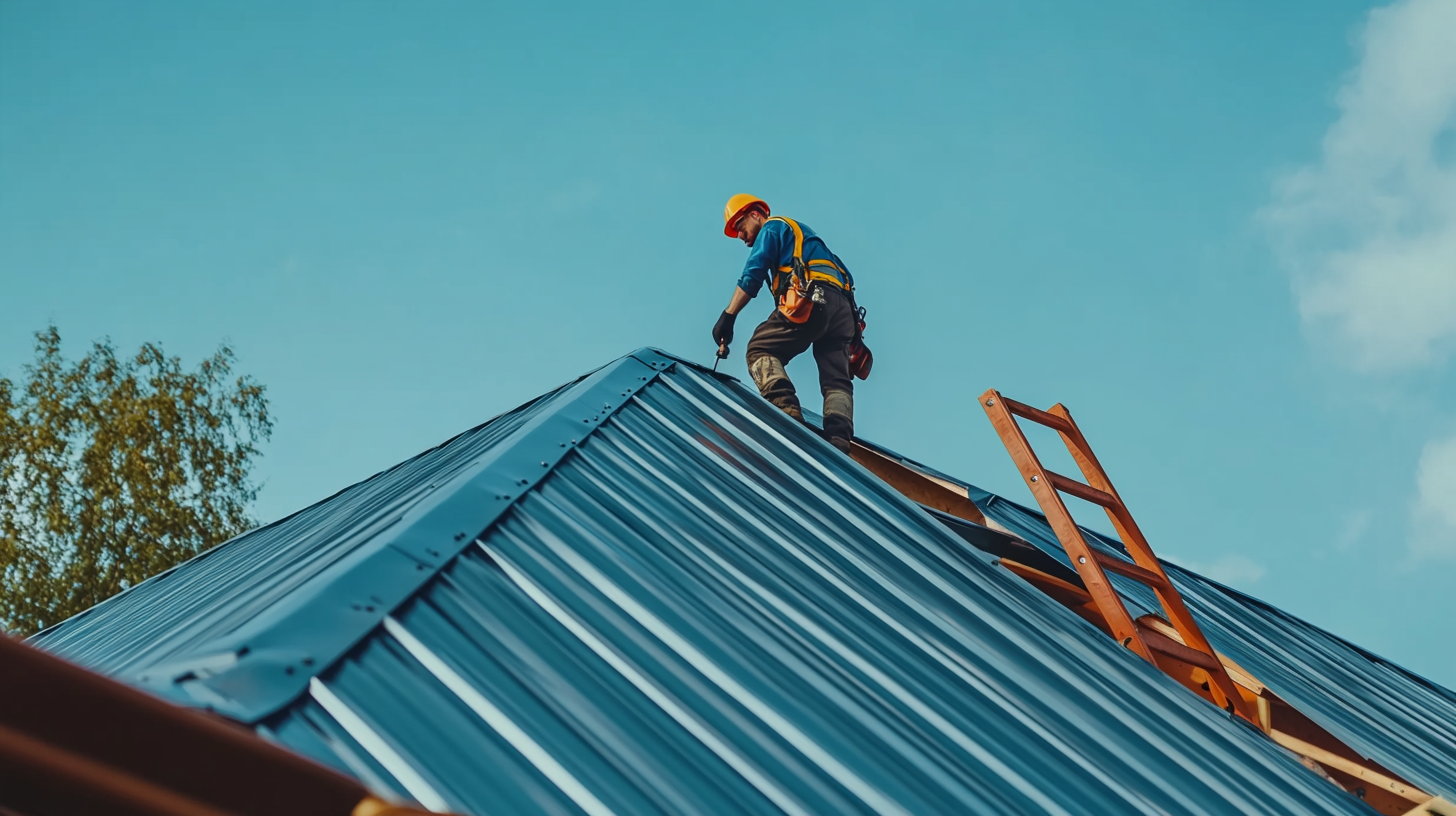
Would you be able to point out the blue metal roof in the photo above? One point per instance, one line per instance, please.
(652, 592)
(1388, 714)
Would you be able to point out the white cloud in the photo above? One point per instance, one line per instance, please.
(1369, 231)
(1434, 513)
(1231, 568)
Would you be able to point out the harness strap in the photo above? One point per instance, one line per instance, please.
(810, 274)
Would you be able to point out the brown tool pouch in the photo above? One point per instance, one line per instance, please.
(796, 306)
(795, 302)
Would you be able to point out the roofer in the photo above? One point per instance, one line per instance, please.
(814, 295)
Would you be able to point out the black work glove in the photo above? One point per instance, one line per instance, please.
(723, 329)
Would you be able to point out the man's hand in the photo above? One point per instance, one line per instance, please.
(723, 329)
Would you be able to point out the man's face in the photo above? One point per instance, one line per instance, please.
(748, 226)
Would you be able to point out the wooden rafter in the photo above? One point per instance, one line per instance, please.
(919, 487)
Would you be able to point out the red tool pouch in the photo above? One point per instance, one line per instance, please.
(861, 359)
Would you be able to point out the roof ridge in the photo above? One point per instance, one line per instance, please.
(257, 669)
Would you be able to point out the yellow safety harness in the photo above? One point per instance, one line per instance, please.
(798, 272)
(791, 284)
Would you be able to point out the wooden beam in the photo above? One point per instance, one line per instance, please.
(1438, 806)
(918, 487)
(1402, 789)
(1163, 644)
(1240, 675)
(1069, 594)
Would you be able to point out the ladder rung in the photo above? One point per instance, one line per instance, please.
(1037, 415)
(1085, 492)
(1131, 570)
(1159, 642)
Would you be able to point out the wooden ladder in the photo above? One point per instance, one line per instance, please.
(1154, 646)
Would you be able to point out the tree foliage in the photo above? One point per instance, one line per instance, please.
(113, 469)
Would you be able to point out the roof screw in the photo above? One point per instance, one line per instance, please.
(991, 401)
(1035, 479)
(525, 481)
(543, 464)
(1081, 559)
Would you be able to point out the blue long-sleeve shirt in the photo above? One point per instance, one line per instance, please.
(774, 248)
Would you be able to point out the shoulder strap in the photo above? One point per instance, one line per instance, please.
(798, 236)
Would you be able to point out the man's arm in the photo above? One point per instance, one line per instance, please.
(767, 247)
(739, 300)
(763, 259)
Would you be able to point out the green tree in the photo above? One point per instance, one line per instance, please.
(113, 469)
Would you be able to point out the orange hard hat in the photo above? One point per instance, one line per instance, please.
(733, 210)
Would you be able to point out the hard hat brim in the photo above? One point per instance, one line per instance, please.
(728, 228)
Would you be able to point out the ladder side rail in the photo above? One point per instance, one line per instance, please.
(1108, 602)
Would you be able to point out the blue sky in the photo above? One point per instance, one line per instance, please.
(1223, 234)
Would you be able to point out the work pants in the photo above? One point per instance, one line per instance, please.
(829, 330)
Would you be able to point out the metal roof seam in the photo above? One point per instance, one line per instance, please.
(371, 741)
(499, 721)
(704, 664)
(742, 765)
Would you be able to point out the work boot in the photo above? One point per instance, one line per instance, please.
(839, 418)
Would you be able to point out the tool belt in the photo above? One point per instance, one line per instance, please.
(793, 289)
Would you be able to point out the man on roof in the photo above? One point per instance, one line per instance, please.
(814, 307)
